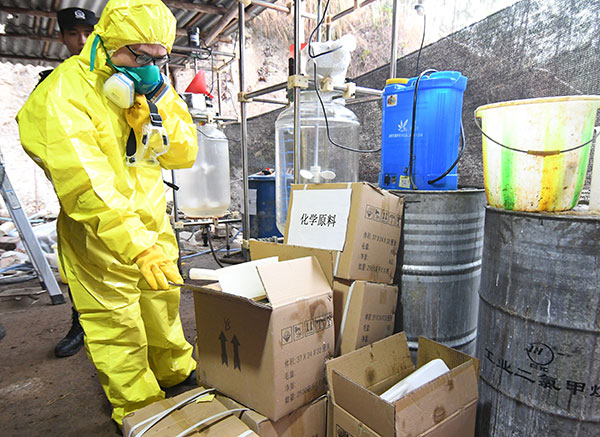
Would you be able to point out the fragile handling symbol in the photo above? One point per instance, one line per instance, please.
(236, 351)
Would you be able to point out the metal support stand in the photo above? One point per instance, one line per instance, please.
(176, 224)
(32, 245)
(394, 39)
(244, 125)
(298, 31)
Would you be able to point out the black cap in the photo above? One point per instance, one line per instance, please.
(71, 17)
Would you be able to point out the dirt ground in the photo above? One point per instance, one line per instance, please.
(44, 395)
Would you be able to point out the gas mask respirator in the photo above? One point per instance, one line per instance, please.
(120, 87)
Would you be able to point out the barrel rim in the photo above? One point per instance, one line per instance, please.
(538, 100)
(572, 215)
(464, 191)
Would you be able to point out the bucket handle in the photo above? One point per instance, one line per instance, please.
(542, 153)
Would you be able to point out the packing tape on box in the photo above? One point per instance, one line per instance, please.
(151, 421)
(338, 343)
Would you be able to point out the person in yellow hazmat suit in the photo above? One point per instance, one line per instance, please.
(115, 240)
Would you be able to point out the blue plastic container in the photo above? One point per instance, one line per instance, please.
(263, 224)
(437, 131)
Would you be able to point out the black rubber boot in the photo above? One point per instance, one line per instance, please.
(73, 341)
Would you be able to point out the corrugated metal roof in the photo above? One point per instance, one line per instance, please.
(30, 34)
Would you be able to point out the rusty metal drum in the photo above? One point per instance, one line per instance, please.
(539, 325)
(439, 267)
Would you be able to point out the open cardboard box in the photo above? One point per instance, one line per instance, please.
(365, 309)
(444, 407)
(207, 406)
(269, 355)
(358, 221)
(262, 250)
(309, 420)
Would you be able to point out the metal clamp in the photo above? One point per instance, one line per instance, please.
(350, 91)
(327, 84)
(297, 81)
(242, 97)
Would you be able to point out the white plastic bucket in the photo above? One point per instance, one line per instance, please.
(531, 158)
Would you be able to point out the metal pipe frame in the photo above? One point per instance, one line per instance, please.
(243, 122)
(361, 90)
(216, 117)
(297, 72)
(271, 101)
(187, 50)
(358, 90)
(350, 102)
(309, 16)
(273, 6)
(175, 220)
(394, 39)
(267, 90)
(319, 19)
(352, 9)
(218, 73)
(225, 65)
(207, 222)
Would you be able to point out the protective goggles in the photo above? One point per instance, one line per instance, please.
(145, 59)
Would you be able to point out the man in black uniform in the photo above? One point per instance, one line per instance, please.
(75, 26)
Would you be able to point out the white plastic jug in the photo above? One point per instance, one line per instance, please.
(204, 189)
(418, 378)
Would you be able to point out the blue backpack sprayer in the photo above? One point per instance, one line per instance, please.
(421, 131)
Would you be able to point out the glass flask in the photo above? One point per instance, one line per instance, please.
(320, 160)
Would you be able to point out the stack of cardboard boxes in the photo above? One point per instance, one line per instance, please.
(329, 294)
(354, 231)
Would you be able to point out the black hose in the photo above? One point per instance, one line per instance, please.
(212, 250)
(413, 125)
(460, 153)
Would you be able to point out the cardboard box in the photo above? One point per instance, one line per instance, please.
(270, 356)
(183, 418)
(309, 420)
(371, 309)
(363, 312)
(444, 407)
(360, 222)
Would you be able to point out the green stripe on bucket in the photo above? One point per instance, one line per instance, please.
(587, 134)
(507, 171)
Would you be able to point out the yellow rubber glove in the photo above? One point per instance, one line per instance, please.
(156, 268)
(138, 114)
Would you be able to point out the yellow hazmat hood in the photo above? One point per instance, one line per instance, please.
(125, 22)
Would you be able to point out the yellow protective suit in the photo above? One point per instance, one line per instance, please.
(110, 213)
